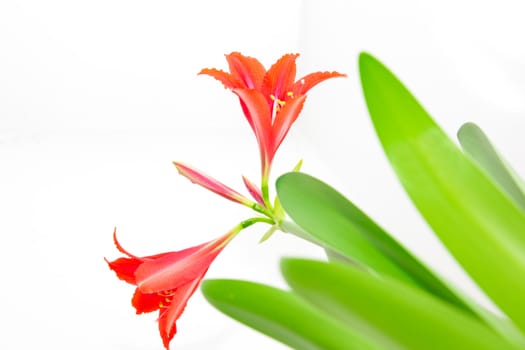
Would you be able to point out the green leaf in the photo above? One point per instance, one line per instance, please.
(480, 225)
(282, 315)
(477, 145)
(345, 230)
(387, 311)
(332, 255)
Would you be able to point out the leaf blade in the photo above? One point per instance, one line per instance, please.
(479, 225)
(343, 228)
(282, 316)
(398, 315)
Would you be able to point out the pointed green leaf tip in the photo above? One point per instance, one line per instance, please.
(383, 91)
(478, 224)
(476, 144)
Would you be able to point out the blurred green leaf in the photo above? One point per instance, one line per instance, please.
(479, 225)
(477, 145)
(332, 255)
(282, 315)
(519, 180)
(345, 230)
(392, 313)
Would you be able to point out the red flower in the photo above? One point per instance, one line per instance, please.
(166, 281)
(271, 100)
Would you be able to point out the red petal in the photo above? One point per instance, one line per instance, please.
(146, 302)
(285, 118)
(123, 251)
(199, 178)
(259, 116)
(164, 274)
(172, 257)
(172, 271)
(120, 248)
(246, 69)
(255, 192)
(280, 78)
(304, 84)
(125, 268)
(228, 80)
(169, 317)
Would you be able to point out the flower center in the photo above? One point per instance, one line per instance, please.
(168, 296)
(279, 104)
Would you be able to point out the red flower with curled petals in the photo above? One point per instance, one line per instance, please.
(271, 99)
(166, 281)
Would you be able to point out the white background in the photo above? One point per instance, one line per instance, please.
(97, 98)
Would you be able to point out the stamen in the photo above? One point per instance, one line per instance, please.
(274, 107)
(165, 303)
(278, 104)
(166, 293)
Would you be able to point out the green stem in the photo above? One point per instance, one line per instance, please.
(260, 209)
(245, 224)
(265, 177)
(249, 222)
(266, 194)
